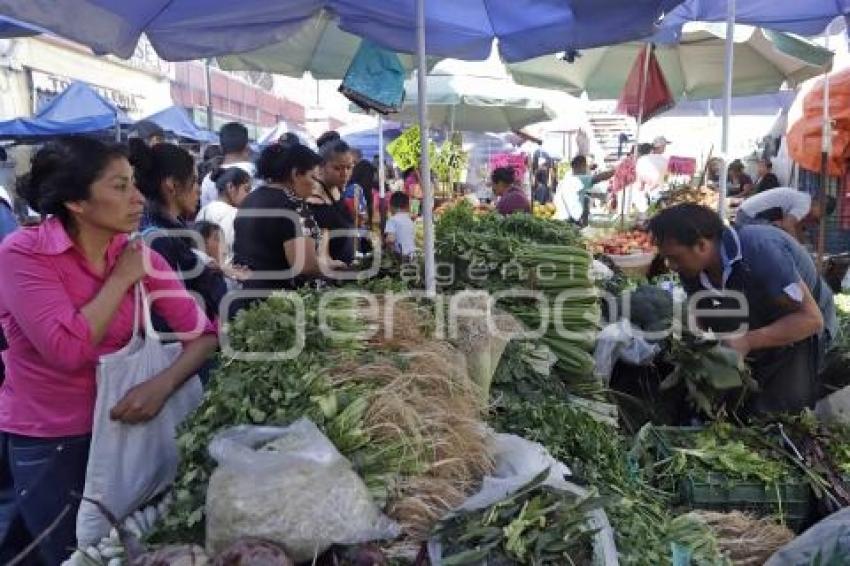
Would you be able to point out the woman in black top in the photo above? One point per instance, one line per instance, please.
(766, 179)
(166, 175)
(330, 212)
(277, 236)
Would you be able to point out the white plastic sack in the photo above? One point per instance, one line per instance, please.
(289, 486)
(619, 341)
(826, 542)
(835, 407)
(131, 463)
(518, 461)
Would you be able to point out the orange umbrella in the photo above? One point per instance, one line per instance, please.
(804, 135)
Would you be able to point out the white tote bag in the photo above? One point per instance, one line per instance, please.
(131, 463)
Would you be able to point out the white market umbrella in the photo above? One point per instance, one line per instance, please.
(474, 97)
(693, 67)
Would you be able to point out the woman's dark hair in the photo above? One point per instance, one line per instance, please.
(542, 176)
(332, 148)
(212, 151)
(644, 149)
(578, 161)
(63, 171)
(224, 176)
(327, 137)
(289, 138)
(686, 224)
(206, 228)
(364, 174)
(153, 165)
(505, 175)
(277, 163)
(736, 165)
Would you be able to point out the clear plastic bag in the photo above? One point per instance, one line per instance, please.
(289, 486)
(827, 542)
(619, 341)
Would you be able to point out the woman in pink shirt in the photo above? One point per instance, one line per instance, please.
(66, 298)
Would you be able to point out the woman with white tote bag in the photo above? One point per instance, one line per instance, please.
(66, 300)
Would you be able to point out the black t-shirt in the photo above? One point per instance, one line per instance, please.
(769, 181)
(334, 217)
(268, 218)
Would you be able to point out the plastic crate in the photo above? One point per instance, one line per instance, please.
(791, 501)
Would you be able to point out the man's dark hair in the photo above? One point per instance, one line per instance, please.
(233, 137)
(686, 224)
(504, 175)
(399, 201)
(644, 149)
(578, 161)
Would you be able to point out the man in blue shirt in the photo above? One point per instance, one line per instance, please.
(768, 286)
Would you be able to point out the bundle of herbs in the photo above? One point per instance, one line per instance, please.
(535, 406)
(716, 378)
(537, 525)
(398, 404)
(542, 264)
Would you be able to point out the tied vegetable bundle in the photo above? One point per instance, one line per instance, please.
(540, 267)
(537, 525)
(716, 377)
(396, 403)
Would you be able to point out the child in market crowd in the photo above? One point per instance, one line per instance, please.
(66, 300)
(233, 185)
(213, 235)
(399, 233)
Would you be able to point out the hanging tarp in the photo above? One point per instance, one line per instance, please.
(653, 94)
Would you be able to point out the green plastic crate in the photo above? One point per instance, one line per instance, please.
(791, 501)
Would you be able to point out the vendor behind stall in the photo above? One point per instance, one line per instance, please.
(572, 197)
(511, 196)
(785, 310)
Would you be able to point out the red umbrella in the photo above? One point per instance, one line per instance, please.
(646, 88)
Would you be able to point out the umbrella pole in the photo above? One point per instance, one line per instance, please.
(117, 127)
(727, 105)
(641, 96)
(424, 165)
(382, 178)
(826, 144)
(209, 94)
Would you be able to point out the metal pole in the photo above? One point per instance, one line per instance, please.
(641, 99)
(209, 95)
(727, 105)
(424, 165)
(826, 147)
(382, 177)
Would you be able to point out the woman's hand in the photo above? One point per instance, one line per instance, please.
(237, 272)
(143, 402)
(130, 267)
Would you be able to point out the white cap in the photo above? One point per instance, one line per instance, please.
(660, 141)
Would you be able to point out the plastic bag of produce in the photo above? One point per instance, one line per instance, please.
(517, 462)
(620, 341)
(827, 542)
(130, 464)
(289, 486)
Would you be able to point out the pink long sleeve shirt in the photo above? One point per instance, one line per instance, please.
(49, 389)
